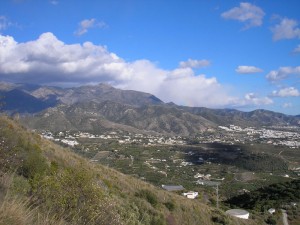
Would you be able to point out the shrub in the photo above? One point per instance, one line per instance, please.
(148, 195)
(158, 220)
(170, 205)
(271, 221)
(34, 164)
(74, 194)
(20, 186)
(219, 218)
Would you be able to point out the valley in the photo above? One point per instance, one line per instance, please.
(238, 160)
(149, 112)
(216, 156)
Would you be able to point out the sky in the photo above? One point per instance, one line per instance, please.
(210, 53)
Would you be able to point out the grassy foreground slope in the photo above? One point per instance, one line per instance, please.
(42, 183)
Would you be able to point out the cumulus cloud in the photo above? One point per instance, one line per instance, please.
(48, 60)
(87, 24)
(282, 73)
(246, 12)
(192, 63)
(297, 50)
(286, 92)
(286, 29)
(248, 69)
(253, 99)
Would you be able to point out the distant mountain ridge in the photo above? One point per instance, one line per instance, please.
(96, 117)
(256, 118)
(103, 107)
(97, 93)
(56, 95)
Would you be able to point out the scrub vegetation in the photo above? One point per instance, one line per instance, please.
(43, 183)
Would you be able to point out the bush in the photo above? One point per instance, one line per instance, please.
(149, 196)
(20, 186)
(271, 221)
(170, 205)
(219, 218)
(158, 220)
(74, 194)
(34, 164)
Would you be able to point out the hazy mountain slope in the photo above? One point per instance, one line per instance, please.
(5, 86)
(96, 93)
(74, 118)
(133, 109)
(104, 92)
(42, 183)
(18, 101)
(91, 116)
(258, 117)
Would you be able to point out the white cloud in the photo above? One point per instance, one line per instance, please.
(286, 92)
(246, 12)
(248, 69)
(297, 49)
(282, 73)
(86, 24)
(4, 23)
(253, 99)
(192, 63)
(287, 105)
(48, 60)
(286, 29)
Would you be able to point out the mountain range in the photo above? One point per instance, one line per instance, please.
(95, 108)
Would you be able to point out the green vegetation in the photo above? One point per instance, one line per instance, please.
(149, 196)
(273, 196)
(284, 195)
(243, 167)
(42, 183)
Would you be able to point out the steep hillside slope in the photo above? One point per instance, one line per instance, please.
(94, 117)
(42, 183)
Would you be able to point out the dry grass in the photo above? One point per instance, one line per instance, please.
(120, 190)
(17, 210)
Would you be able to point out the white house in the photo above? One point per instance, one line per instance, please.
(271, 210)
(199, 175)
(191, 194)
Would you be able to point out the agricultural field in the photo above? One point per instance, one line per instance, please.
(236, 169)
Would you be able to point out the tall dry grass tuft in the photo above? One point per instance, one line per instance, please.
(5, 181)
(19, 212)
(15, 212)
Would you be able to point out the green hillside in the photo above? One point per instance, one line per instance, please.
(42, 183)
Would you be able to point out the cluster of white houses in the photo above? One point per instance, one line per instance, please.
(68, 139)
(274, 136)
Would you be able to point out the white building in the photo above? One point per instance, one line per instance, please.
(199, 175)
(191, 194)
(271, 210)
(239, 213)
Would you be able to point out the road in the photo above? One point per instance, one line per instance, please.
(284, 217)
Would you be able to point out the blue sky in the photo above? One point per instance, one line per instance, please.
(211, 53)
